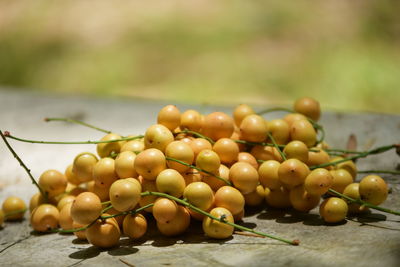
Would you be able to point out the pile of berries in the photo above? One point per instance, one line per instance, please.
(191, 166)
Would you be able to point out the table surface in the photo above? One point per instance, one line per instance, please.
(370, 240)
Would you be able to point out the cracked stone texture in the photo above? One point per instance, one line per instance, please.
(372, 240)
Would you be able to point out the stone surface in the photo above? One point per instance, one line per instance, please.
(372, 240)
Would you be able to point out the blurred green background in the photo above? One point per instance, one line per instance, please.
(344, 53)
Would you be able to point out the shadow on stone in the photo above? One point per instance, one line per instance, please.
(253, 210)
(86, 253)
(164, 241)
(122, 251)
(271, 214)
(247, 224)
(372, 217)
(78, 241)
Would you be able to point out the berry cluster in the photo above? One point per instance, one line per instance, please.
(191, 166)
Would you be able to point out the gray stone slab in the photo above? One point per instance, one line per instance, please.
(369, 241)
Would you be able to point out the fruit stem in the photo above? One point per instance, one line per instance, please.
(197, 135)
(363, 203)
(379, 171)
(101, 218)
(128, 212)
(267, 144)
(360, 155)
(190, 206)
(199, 169)
(14, 212)
(276, 146)
(78, 122)
(344, 151)
(28, 171)
(269, 110)
(73, 142)
(317, 126)
(106, 209)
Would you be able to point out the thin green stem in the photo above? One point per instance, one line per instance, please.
(197, 134)
(257, 143)
(344, 151)
(28, 171)
(319, 128)
(78, 122)
(128, 212)
(363, 203)
(73, 142)
(269, 110)
(102, 218)
(190, 206)
(74, 229)
(379, 171)
(11, 213)
(199, 169)
(276, 146)
(360, 155)
(106, 209)
(267, 144)
(316, 125)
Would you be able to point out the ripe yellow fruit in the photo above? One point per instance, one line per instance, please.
(180, 151)
(333, 210)
(106, 149)
(302, 200)
(104, 172)
(170, 117)
(171, 182)
(82, 166)
(227, 150)
(268, 174)
(14, 208)
(164, 210)
(318, 181)
(215, 228)
(309, 107)
(293, 172)
(65, 219)
(218, 125)
(256, 197)
(302, 130)
(240, 112)
(53, 182)
(134, 225)
(158, 136)
(177, 225)
(373, 189)
(199, 194)
(244, 177)
(149, 163)
(125, 194)
(229, 198)
(279, 130)
(86, 208)
(124, 164)
(104, 233)
(44, 218)
(253, 128)
(208, 160)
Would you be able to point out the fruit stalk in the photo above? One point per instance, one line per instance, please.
(360, 155)
(28, 171)
(363, 203)
(190, 206)
(78, 122)
(8, 135)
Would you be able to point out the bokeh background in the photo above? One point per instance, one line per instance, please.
(344, 53)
